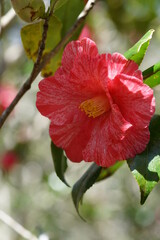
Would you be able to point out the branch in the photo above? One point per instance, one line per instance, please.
(7, 19)
(52, 5)
(16, 226)
(38, 66)
(70, 33)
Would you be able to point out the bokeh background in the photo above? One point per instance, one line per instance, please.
(30, 191)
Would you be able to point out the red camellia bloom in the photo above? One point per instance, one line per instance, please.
(98, 106)
(8, 160)
(7, 94)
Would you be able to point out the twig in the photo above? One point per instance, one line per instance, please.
(6, 19)
(16, 226)
(40, 50)
(36, 69)
(69, 34)
(52, 6)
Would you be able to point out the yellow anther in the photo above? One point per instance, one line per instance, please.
(96, 106)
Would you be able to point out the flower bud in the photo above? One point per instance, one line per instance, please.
(29, 10)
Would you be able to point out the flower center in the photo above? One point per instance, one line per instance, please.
(96, 106)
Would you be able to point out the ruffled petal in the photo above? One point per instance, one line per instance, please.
(134, 99)
(89, 74)
(61, 95)
(135, 142)
(58, 100)
(117, 64)
(86, 32)
(119, 133)
(75, 48)
(114, 139)
(72, 137)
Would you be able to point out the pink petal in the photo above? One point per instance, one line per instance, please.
(72, 137)
(86, 32)
(89, 74)
(134, 99)
(114, 139)
(75, 48)
(60, 103)
(135, 142)
(117, 64)
(61, 95)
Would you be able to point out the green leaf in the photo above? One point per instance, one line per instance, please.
(145, 167)
(151, 76)
(107, 172)
(60, 162)
(29, 11)
(94, 174)
(31, 36)
(137, 52)
(84, 183)
(54, 63)
(68, 14)
(58, 4)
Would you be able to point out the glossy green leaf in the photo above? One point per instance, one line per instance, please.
(60, 162)
(31, 36)
(151, 76)
(145, 167)
(58, 3)
(107, 172)
(94, 174)
(137, 52)
(84, 183)
(68, 14)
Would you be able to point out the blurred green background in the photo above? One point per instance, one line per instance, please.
(30, 192)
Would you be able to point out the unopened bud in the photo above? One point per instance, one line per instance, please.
(29, 10)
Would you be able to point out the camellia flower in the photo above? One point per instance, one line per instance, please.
(7, 94)
(98, 105)
(8, 160)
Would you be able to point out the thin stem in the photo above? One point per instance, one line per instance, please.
(70, 33)
(53, 5)
(39, 65)
(16, 226)
(7, 19)
(41, 49)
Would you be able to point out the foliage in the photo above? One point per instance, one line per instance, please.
(137, 52)
(94, 174)
(29, 10)
(146, 166)
(60, 162)
(31, 37)
(151, 75)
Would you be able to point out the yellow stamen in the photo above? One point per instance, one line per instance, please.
(96, 106)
